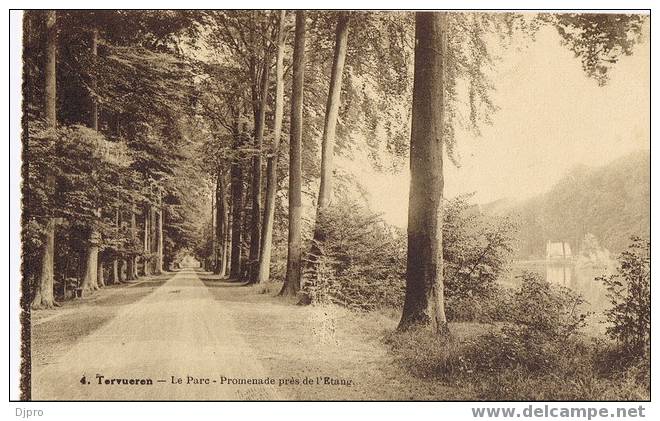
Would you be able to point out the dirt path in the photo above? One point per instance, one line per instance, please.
(179, 330)
(202, 330)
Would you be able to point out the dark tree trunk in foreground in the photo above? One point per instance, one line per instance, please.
(424, 301)
(100, 274)
(329, 131)
(237, 205)
(293, 269)
(255, 235)
(90, 280)
(43, 291)
(44, 297)
(271, 164)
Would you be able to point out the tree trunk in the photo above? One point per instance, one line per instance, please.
(237, 205)
(100, 275)
(90, 279)
(122, 270)
(214, 225)
(159, 234)
(43, 293)
(424, 300)
(131, 270)
(293, 269)
(134, 236)
(255, 236)
(329, 131)
(94, 108)
(245, 245)
(147, 247)
(152, 239)
(271, 164)
(220, 224)
(115, 263)
(228, 243)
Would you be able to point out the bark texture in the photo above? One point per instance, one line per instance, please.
(332, 112)
(132, 259)
(293, 264)
(255, 229)
(147, 247)
(43, 295)
(237, 204)
(159, 236)
(43, 289)
(90, 278)
(214, 230)
(100, 274)
(329, 131)
(424, 300)
(220, 249)
(271, 163)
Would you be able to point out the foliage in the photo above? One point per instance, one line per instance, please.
(599, 40)
(629, 291)
(538, 353)
(360, 265)
(476, 248)
(541, 317)
(362, 261)
(489, 307)
(94, 180)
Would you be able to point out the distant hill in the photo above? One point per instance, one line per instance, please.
(611, 202)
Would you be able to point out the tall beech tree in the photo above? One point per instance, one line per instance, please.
(260, 126)
(273, 152)
(424, 301)
(90, 281)
(237, 196)
(330, 126)
(448, 48)
(222, 222)
(294, 256)
(43, 290)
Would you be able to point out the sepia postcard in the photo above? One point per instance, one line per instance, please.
(334, 205)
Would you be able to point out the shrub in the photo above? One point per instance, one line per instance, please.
(361, 261)
(537, 354)
(629, 291)
(541, 308)
(491, 306)
(476, 249)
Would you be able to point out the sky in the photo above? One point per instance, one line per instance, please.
(551, 117)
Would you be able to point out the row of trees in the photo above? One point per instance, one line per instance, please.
(189, 98)
(242, 112)
(104, 153)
